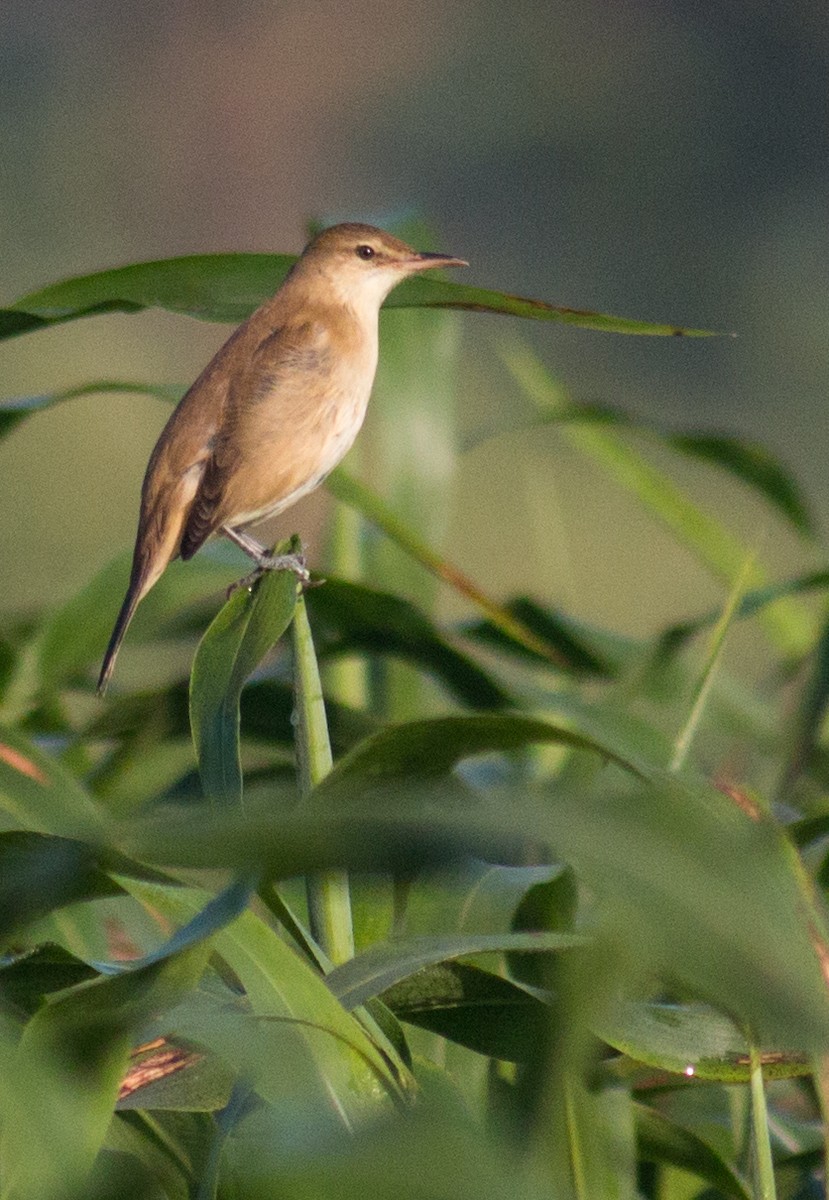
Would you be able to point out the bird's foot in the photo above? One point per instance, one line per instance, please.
(276, 562)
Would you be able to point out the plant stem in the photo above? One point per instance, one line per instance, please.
(329, 901)
(764, 1166)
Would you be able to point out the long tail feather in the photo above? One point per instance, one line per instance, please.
(131, 602)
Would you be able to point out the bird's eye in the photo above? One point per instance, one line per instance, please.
(365, 252)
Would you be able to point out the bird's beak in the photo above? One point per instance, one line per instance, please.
(425, 261)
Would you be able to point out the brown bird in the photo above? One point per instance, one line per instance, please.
(273, 412)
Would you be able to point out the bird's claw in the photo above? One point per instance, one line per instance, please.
(278, 562)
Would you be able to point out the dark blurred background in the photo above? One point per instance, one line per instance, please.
(655, 159)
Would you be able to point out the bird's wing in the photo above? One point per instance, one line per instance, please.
(250, 451)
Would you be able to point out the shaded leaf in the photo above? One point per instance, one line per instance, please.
(39, 874)
(383, 965)
(381, 623)
(662, 1140)
(550, 905)
(69, 1067)
(476, 1009)
(579, 648)
(281, 985)
(431, 748)
(39, 794)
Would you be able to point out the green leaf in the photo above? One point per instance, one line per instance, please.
(281, 986)
(550, 905)
(228, 287)
(474, 1008)
(749, 462)
(430, 1156)
(27, 977)
(752, 464)
(231, 649)
(376, 622)
(69, 1067)
(662, 1140)
(213, 287)
(751, 603)
(383, 965)
(39, 874)
(716, 547)
(693, 1040)
(39, 794)
(420, 750)
(361, 498)
(579, 648)
(18, 408)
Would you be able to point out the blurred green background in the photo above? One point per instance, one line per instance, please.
(658, 160)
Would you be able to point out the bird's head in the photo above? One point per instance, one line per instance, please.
(361, 264)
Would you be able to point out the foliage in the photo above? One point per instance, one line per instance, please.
(548, 944)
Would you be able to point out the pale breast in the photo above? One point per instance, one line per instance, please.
(306, 423)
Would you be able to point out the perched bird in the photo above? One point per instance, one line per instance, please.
(273, 412)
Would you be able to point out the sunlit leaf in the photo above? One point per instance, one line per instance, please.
(692, 1040)
(231, 649)
(227, 287)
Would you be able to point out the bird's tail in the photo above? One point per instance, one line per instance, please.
(142, 579)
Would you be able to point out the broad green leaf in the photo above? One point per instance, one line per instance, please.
(688, 886)
(697, 890)
(40, 873)
(69, 1067)
(212, 287)
(693, 1040)
(28, 976)
(39, 794)
(228, 287)
(364, 619)
(231, 649)
(479, 1010)
(280, 985)
(431, 748)
(383, 965)
(550, 905)
(662, 1140)
(266, 707)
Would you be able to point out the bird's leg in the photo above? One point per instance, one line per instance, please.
(265, 561)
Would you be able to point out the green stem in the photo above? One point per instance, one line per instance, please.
(329, 901)
(764, 1166)
(706, 680)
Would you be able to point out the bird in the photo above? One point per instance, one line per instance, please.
(272, 413)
